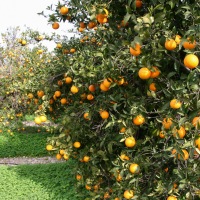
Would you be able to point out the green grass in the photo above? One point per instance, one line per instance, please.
(27, 143)
(39, 182)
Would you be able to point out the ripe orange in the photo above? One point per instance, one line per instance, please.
(181, 132)
(86, 159)
(144, 73)
(197, 143)
(72, 50)
(130, 142)
(86, 116)
(171, 198)
(62, 152)
(57, 93)
(138, 120)
(88, 187)
(170, 44)
(196, 121)
(180, 157)
(155, 72)
(81, 29)
(68, 80)
(37, 120)
(104, 114)
(63, 101)
(40, 93)
(74, 89)
(177, 39)
(102, 18)
(191, 61)
(30, 95)
(128, 194)
(167, 123)
(55, 25)
(134, 168)
(161, 134)
(103, 87)
(82, 25)
(60, 83)
(107, 82)
(64, 10)
(43, 118)
(49, 147)
(122, 130)
(66, 156)
(138, 3)
(175, 104)
(92, 88)
(189, 45)
(136, 50)
(78, 177)
(152, 87)
(58, 156)
(77, 145)
(90, 97)
(91, 25)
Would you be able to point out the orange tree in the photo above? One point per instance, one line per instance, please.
(22, 74)
(128, 91)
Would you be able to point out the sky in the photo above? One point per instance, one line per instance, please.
(23, 13)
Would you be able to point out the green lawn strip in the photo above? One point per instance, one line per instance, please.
(48, 181)
(26, 143)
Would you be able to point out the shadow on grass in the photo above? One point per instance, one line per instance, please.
(42, 182)
(29, 143)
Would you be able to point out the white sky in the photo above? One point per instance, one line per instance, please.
(23, 13)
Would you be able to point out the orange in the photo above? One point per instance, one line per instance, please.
(62, 152)
(58, 45)
(161, 134)
(152, 87)
(167, 123)
(90, 97)
(196, 121)
(144, 73)
(92, 88)
(104, 114)
(37, 120)
(181, 132)
(55, 25)
(155, 72)
(77, 145)
(175, 104)
(138, 3)
(88, 187)
(128, 194)
(91, 25)
(68, 80)
(43, 118)
(40, 93)
(65, 51)
(78, 177)
(60, 83)
(63, 101)
(170, 44)
(191, 61)
(107, 82)
(72, 50)
(135, 51)
(58, 156)
(122, 130)
(130, 142)
(49, 147)
(103, 87)
(189, 44)
(177, 39)
(185, 156)
(197, 143)
(74, 89)
(66, 156)
(102, 18)
(57, 93)
(82, 25)
(64, 10)
(119, 178)
(138, 120)
(30, 95)
(86, 116)
(86, 159)
(134, 168)
(81, 29)
(171, 198)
